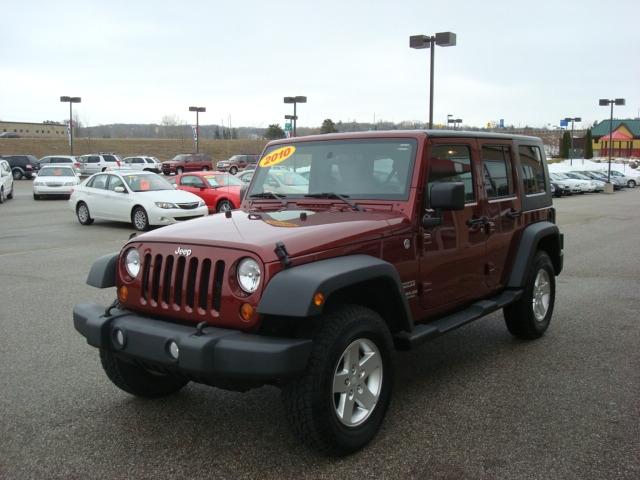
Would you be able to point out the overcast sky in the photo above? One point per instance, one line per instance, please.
(529, 62)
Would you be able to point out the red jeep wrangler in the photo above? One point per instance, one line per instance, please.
(394, 239)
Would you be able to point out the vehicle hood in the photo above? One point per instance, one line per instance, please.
(173, 196)
(259, 231)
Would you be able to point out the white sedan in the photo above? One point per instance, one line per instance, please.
(142, 198)
(55, 180)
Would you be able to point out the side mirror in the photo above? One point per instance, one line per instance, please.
(443, 196)
(447, 196)
(119, 190)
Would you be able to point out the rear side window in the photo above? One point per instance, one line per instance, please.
(532, 169)
(109, 158)
(496, 170)
(94, 159)
(451, 163)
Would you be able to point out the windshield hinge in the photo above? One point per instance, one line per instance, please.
(282, 254)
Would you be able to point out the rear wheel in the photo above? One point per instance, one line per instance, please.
(82, 212)
(529, 317)
(139, 381)
(204, 169)
(631, 184)
(224, 206)
(2, 198)
(140, 219)
(339, 403)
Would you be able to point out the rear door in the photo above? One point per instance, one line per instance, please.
(502, 208)
(96, 196)
(453, 253)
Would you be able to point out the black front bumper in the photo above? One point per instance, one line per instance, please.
(216, 354)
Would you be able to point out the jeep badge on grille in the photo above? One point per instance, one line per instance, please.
(183, 251)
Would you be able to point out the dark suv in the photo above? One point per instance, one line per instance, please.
(237, 162)
(22, 166)
(393, 239)
(187, 162)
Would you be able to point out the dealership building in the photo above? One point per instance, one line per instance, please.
(24, 129)
(625, 138)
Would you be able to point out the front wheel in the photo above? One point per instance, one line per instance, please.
(529, 317)
(139, 381)
(339, 403)
(140, 219)
(224, 206)
(179, 171)
(36, 196)
(204, 169)
(2, 198)
(17, 174)
(233, 170)
(631, 184)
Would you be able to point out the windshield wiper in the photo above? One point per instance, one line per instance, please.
(277, 196)
(335, 195)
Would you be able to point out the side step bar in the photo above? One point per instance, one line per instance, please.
(427, 331)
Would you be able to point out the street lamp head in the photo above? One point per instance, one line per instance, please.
(197, 109)
(446, 39)
(301, 99)
(419, 41)
(291, 117)
(75, 100)
(619, 101)
(289, 99)
(65, 99)
(603, 102)
(577, 119)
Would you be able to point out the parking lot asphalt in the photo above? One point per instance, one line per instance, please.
(472, 404)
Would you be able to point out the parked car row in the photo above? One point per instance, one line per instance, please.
(588, 181)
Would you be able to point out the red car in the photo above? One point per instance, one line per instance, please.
(220, 191)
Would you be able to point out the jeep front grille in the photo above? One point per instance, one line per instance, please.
(182, 284)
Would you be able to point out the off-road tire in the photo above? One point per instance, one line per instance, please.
(224, 206)
(140, 219)
(233, 170)
(308, 400)
(82, 219)
(138, 381)
(519, 316)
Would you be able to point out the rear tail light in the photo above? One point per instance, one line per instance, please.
(77, 165)
(118, 162)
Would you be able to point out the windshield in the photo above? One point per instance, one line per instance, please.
(146, 183)
(558, 176)
(358, 169)
(223, 180)
(179, 158)
(56, 172)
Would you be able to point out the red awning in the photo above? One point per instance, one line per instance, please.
(618, 135)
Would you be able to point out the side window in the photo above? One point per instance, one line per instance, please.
(191, 181)
(532, 169)
(496, 170)
(115, 181)
(94, 159)
(99, 181)
(452, 163)
(45, 160)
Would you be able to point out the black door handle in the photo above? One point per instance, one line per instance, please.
(476, 221)
(513, 213)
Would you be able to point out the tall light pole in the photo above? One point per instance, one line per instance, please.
(443, 39)
(603, 103)
(295, 101)
(71, 101)
(572, 120)
(197, 110)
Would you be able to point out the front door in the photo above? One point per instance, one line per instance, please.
(453, 253)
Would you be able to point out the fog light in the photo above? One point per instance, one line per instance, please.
(174, 350)
(318, 299)
(246, 312)
(118, 335)
(123, 294)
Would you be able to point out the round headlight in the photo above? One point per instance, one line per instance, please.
(249, 275)
(132, 262)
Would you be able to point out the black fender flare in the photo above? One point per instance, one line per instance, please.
(103, 271)
(290, 292)
(529, 242)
